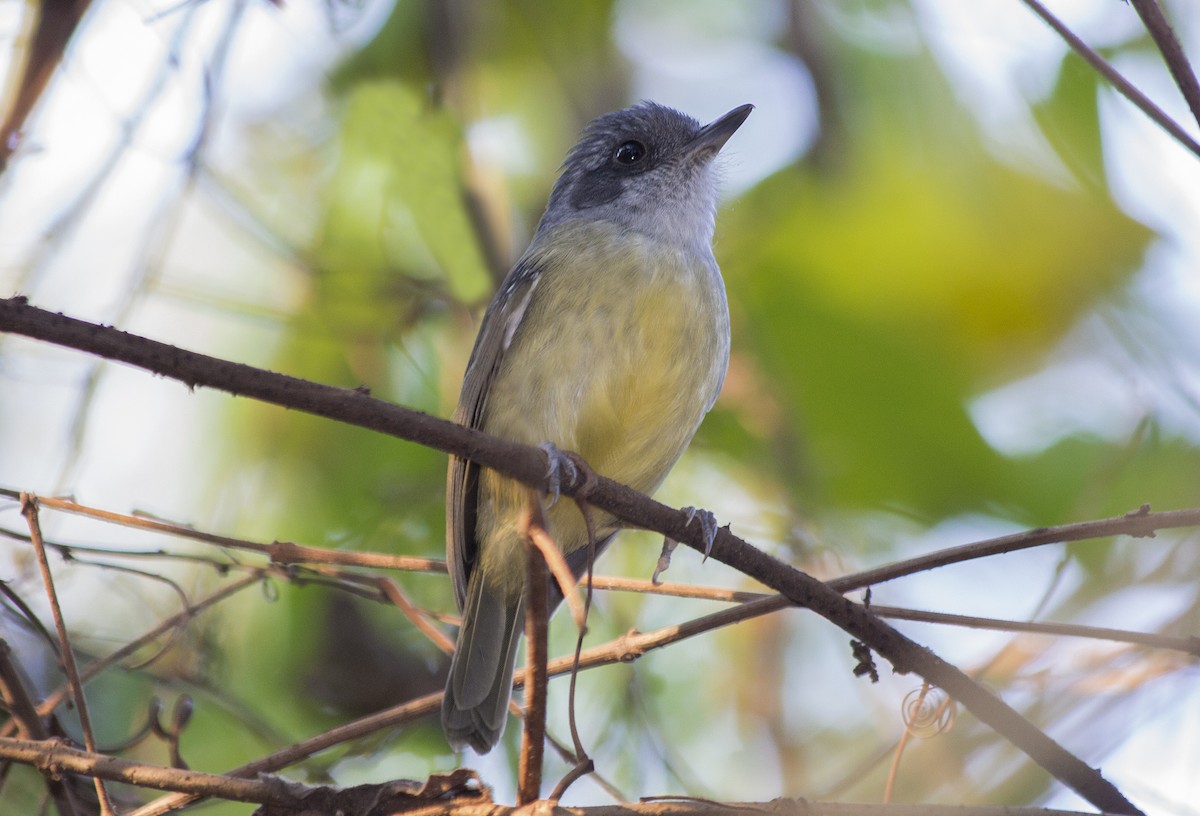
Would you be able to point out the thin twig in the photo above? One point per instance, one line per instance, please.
(1168, 44)
(541, 540)
(57, 756)
(898, 752)
(1187, 645)
(416, 616)
(281, 552)
(29, 509)
(618, 583)
(569, 756)
(1140, 523)
(537, 614)
(17, 699)
(1119, 82)
(56, 697)
(29, 616)
(583, 763)
(30, 726)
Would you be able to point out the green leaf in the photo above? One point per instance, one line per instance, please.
(395, 203)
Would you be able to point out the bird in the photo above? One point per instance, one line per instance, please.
(608, 338)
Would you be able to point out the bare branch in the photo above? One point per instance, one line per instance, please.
(29, 509)
(1139, 523)
(1187, 645)
(35, 63)
(55, 698)
(450, 795)
(418, 617)
(29, 724)
(280, 552)
(537, 615)
(1177, 62)
(1114, 77)
(55, 756)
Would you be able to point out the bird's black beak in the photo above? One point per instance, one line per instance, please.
(713, 136)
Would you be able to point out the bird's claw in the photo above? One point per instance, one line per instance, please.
(558, 465)
(664, 559)
(708, 526)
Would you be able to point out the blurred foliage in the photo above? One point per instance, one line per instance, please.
(879, 285)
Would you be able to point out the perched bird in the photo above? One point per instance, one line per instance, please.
(609, 338)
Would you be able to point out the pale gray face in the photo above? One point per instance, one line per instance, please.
(646, 168)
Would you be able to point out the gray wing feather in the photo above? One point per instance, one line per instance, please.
(500, 322)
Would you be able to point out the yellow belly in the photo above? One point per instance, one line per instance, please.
(618, 357)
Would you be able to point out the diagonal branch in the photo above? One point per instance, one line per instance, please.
(29, 510)
(1177, 62)
(19, 703)
(527, 464)
(1115, 78)
(1187, 645)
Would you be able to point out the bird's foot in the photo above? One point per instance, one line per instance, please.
(708, 526)
(664, 559)
(558, 465)
(566, 468)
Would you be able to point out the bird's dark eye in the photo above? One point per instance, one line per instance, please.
(630, 153)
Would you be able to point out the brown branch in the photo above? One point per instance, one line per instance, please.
(17, 698)
(56, 757)
(29, 510)
(1168, 44)
(280, 552)
(55, 698)
(527, 464)
(1140, 523)
(418, 617)
(582, 763)
(537, 615)
(552, 558)
(683, 806)
(979, 549)
(449, 795)
(619, 583)
(1187, 645)
(1114, 77)
(35, 63)
(30, 726)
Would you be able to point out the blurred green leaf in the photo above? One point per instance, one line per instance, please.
(1070, 120)
(877, 299)
(396, 203)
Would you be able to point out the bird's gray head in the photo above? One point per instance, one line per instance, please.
(649, 169)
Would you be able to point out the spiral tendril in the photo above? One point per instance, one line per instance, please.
(927, 711)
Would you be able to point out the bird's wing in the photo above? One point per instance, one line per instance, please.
(500, 323)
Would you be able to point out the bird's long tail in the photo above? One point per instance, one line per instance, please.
(475, 707)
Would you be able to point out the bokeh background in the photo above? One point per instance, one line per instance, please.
(963, 278)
